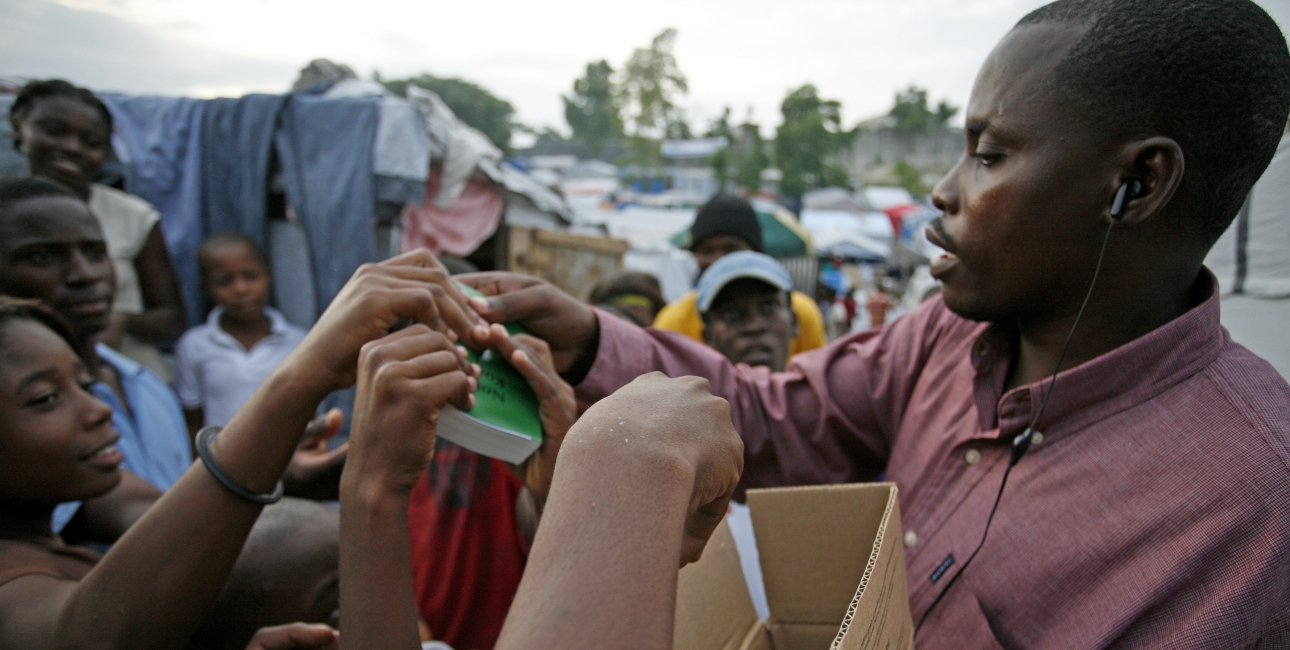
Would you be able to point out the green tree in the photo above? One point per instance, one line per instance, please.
(652, 81)
(811, 133)
(912, 114)
(592, 111)
(908, 177)
(722, 162)
(472, 104)
(910, 111)
(753, 159)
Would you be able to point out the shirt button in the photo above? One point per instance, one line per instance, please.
(972, 457)
(911, 538)
(1036, 438)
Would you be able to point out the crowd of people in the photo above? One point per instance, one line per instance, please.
(1084, 456)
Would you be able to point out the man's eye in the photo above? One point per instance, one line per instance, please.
(43, 399)
(988, 159)
(42, 258)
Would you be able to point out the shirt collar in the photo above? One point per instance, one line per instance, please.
(123, 365)
(277, 325)
(1101, 387)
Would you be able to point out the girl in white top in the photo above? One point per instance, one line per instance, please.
(64, 132)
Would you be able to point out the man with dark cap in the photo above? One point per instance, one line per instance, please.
(724, 225)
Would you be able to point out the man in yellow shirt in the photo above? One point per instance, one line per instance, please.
(724, 225)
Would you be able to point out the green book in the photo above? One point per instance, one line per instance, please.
(504, 423)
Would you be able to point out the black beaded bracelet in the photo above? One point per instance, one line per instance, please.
(204, 438)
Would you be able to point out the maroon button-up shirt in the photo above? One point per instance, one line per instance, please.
(1155, 512)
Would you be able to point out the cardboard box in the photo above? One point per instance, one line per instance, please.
(834, 567)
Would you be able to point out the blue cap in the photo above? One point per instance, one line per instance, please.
(744, 264)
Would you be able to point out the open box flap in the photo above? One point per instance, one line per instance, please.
(815, 545)
(878, 617)
(713, 608)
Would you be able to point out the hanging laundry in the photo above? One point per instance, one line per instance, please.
(461, 227)
(237, 145)
(162, 152)
(465, 148)
(401, 153)
(325, 147)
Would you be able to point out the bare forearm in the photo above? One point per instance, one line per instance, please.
(603, 568)
(153, 588)
(156, 325)
(377, 601)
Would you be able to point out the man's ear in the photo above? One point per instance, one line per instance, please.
(1157, 164)
(795, 328)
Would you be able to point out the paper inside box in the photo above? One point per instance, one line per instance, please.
(833, 568)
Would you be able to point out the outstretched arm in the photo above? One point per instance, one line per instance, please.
(153, 587)
(643, 479)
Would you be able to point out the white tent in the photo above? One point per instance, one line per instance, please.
(1253, 256)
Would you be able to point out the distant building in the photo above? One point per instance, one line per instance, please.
(878, 147)
(688, 168)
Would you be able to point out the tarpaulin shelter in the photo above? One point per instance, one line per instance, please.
(1253, 255)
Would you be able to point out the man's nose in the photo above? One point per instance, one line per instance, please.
(945, 196)
(83, 270)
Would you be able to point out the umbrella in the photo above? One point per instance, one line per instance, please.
(781, 235)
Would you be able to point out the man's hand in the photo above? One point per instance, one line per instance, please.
(410, 287)
(670, 424)
(569, 326)
(295, 636)
(557, 407)
(644, 478)
(314, 472)
(404, 380)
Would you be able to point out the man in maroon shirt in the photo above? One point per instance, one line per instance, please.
(1153, 506)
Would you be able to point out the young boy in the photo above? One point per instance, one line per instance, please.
(223, 362)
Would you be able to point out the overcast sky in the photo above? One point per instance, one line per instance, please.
(741, 53)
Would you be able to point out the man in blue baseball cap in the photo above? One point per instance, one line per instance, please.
(743, 299)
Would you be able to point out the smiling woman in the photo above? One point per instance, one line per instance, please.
(56, 439)
(65, 133)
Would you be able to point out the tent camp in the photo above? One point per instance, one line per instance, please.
(1253, 256)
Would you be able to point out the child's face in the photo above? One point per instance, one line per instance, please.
(237, 281)
(57, 442)
(52, 250)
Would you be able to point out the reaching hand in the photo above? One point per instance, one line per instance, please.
(314, 472)
(557, 407)
(404, 380)
(662, 420)
(295, 636)
(376, 299)
(552, 315)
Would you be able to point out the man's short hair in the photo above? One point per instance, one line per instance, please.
(1214, 75)
(15, 189)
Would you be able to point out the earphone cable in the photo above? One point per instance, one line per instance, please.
(1021, 443)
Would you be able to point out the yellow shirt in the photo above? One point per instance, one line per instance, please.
(683, 316)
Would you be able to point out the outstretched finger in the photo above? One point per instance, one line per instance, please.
(539, 374)
(323, 428)
(294, 636)
(455, 388)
